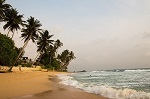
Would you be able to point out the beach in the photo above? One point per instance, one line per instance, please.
(33, 84)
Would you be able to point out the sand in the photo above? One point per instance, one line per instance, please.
(33, 84)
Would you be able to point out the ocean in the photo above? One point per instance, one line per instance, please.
(115, 84)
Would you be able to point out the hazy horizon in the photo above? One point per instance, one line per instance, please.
(103, 34)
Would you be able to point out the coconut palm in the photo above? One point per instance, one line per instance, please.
(30, 32)
(52, 50)
(71, 56)
(13, 21)
(57, 44)
(43, 42)
(3, 9)
(65, 58)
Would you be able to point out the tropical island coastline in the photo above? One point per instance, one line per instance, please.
(110, 42)
(30, 83)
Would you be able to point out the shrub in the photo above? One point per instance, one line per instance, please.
(8, 51)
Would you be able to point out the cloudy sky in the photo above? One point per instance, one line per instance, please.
(103, 34)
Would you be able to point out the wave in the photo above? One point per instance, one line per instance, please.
(138, 70)
(123, 70)
(96, 71)
(115, 70)
(104, 90)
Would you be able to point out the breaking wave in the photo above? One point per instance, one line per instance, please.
(104, 90)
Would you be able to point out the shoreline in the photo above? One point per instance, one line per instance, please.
(60, 91)
(38, 85)
(17, 84)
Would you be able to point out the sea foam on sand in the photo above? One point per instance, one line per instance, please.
(104, 90)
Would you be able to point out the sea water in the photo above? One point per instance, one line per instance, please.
(116, 84)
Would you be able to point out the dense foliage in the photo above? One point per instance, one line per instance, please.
(8, 51)
(47, 48)
(3, 9)
(59, 62)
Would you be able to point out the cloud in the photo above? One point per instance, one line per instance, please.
(102, 34)
(146, 35)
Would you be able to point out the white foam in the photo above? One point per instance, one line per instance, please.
(138, 70)
(104, 90)
(68, 80)
(95, 71)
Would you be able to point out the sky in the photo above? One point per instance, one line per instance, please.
(103, 34)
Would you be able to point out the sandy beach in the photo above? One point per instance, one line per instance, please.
(33, 84)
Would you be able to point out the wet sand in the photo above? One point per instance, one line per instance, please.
(59, 91)
(30, 84)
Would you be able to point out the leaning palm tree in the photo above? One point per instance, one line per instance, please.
(71, 56)
(52, 52)
(3, 9)
(65, 58)
(43, 43)
(57, 44)
(30, 32)
(13, 21)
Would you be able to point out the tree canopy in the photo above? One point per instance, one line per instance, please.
(8, 51)
(13, 21)
(47, 48)
(3, 9)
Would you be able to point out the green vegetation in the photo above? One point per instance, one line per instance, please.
(47, 48)
(3, 9)
(43, 43)
(8, 51)
(13, 21)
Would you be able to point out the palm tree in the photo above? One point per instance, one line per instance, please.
(13, 21)
(52, 51)
(65, 58)
(57, 44)
(30, 32)
(3, 9)
(71, 56)
(43, 43)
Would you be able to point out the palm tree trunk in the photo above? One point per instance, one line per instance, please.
(36, 57)
(40, 58)
(19, 54)
(55, 53)
(12, 35)
(8, 33)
